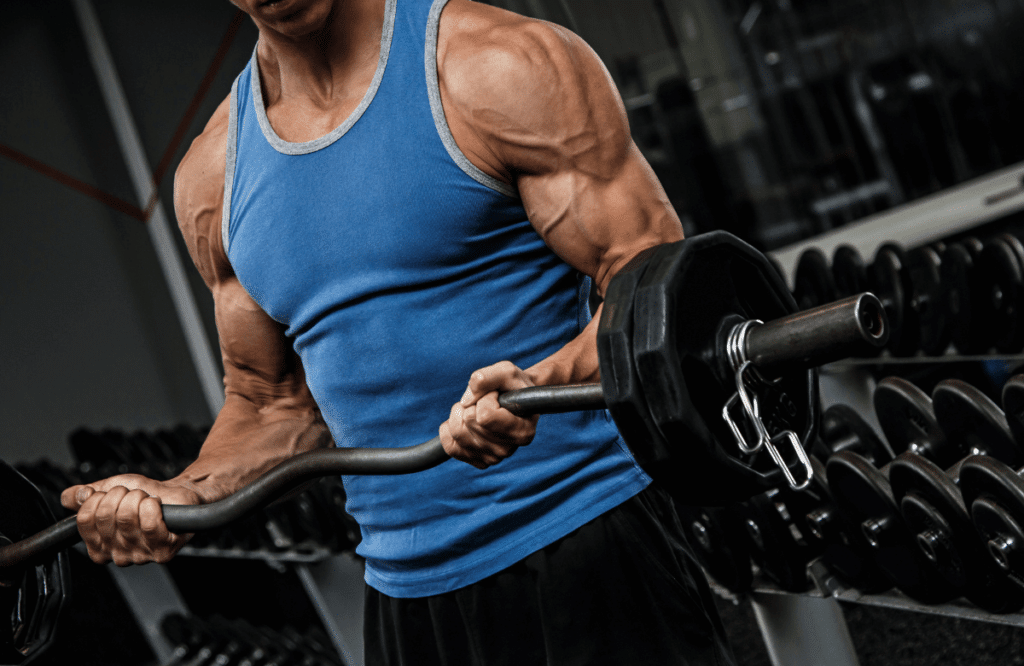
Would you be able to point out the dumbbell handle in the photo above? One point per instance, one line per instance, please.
(809, 338)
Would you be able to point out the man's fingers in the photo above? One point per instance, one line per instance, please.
(106, 510)
(127, 516)
(151, 518)
(74, 497)
(503, 376)
(88, 529)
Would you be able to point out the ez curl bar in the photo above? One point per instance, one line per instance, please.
(714, 403)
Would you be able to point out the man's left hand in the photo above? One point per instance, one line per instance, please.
(479, 431)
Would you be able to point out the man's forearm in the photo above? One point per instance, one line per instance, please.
(246, 442)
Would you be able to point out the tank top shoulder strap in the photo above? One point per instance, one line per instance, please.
(231, 155)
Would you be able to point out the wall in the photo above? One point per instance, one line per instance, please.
(89, 335)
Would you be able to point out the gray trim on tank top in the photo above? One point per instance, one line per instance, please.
(303, 148)
(443, 131)
(229, 164)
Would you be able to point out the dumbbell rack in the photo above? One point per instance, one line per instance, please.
(332, 582)
(803, 628)
(799, 628)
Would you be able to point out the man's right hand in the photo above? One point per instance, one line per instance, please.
(121, 521)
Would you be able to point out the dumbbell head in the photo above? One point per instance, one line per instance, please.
(844, 429)
(720, 544)
(924, 265)
(781, 535)
(849, 272)
(907, 418)
(961, 293)
(1001, 278)
(932, 504)
(813, 284)
(890, 281)
(839, 542)
(994, 492)
(864, 496)
(774, 547)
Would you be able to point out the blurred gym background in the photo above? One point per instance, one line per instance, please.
(777, 120)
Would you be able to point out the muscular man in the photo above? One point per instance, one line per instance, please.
(399, 196)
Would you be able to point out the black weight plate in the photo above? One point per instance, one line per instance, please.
(973, 423)
(910, 331)
(933, 507)
(844, 429)
(849, 272)
(842, 547)
(691, 295)
(924, 265)
(1015, 244)
(776, 546)
(720, 544)
(908, 421)
(49, 484)
(620, 383)
(984, 478)
(1002, 283)
(961, 289)
(1013, 406)
(863, 496)
(813, 284)
(886, 282)
(1002, 534)
(31, 598)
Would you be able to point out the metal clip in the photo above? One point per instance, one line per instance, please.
(752, 410)
(800, 454)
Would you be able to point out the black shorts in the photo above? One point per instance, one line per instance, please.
(621, 590)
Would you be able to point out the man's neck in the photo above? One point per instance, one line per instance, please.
(321, 64)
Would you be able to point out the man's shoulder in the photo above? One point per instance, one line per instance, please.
(205, 159)
(487, 49)
(199, 193)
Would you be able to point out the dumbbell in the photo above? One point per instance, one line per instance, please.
(1001, 302)
(849, 273)
(782, 540)
(994, 492)
(864, 497)
(842, 546)
(720, 544)
(924, 265)
(889, 279)
(910, 287)
(962, 293)
(932, 505)
(813, 284)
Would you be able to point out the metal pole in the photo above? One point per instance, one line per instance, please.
(159, 229)
(803, 631)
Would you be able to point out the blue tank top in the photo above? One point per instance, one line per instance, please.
(398, 268)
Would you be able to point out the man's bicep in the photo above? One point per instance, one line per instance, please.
(552, 115)
(598, 224)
